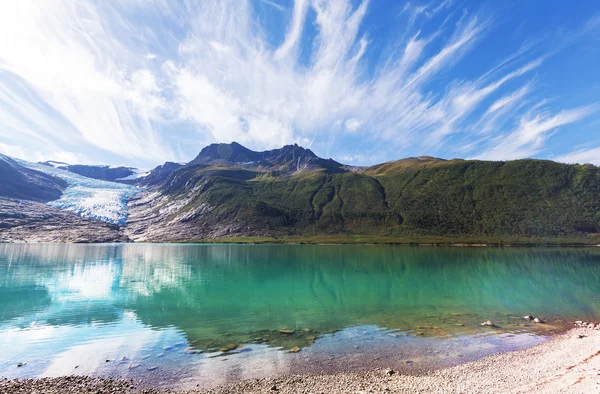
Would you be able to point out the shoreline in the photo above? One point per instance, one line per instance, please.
(566, 363)
(299, 242)
(432, 240)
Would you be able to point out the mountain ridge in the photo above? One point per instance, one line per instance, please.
(229, 191)
(119, 174)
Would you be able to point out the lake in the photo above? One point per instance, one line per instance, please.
(198, 315)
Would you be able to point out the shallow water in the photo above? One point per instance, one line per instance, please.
(172, 311)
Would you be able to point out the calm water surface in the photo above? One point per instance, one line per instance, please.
(187, 315)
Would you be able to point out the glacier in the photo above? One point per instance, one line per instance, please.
(88, 197)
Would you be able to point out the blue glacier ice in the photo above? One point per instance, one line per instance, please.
(89, 197)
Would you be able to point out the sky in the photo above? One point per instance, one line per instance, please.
(141, 82)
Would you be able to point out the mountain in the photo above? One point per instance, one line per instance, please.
(40, 203)
(287, 160)
(31, 221)
(103, 172)
(19, 182)
(229, 190)
(291, 193)
(158, 175)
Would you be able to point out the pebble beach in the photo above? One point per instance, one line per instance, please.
(566, 363)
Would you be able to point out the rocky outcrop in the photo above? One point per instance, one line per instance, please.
(158, 175)
(31, 221)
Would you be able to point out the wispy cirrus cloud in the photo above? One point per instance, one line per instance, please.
(532, 131)
(135, 81)
(581, 156)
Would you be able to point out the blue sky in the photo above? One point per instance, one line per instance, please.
(139, 82)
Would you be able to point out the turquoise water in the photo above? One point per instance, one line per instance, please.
(206, 314)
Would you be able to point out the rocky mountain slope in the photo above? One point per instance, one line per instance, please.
(19, 182)
(158, 175)
(25, 187)
(229, 190)
(31, 221)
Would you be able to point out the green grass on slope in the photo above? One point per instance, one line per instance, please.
(414, 199)
(415, 240)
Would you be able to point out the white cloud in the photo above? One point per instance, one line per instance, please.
(533, 129)
(76, 72)
(582, 156)
(352, 125)
(136, 78)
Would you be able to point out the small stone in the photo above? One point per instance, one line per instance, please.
(232, 346)
(538, 320)
(295, 349)
(591, 325)
(389, 372)
(19, 365)
(528, 317)
(132, 366)
(286, 331)
(152, 368)
(107, 360)
(123, 358)
(580, 336)
(460, 325)
(274, 388)
(488, 324)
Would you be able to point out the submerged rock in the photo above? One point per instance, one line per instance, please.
(538, 320)
(488, 324)
(286, 331)
(528, 317)
(295, 349)
(228, 348)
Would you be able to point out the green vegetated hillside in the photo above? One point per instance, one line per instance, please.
(411, 197)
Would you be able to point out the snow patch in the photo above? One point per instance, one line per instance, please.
(88, 197)
(137, 174)
(56, 164)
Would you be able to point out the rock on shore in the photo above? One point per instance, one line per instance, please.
(68, 385)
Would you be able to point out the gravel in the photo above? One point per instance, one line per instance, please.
(567, 363)
(67, 385)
